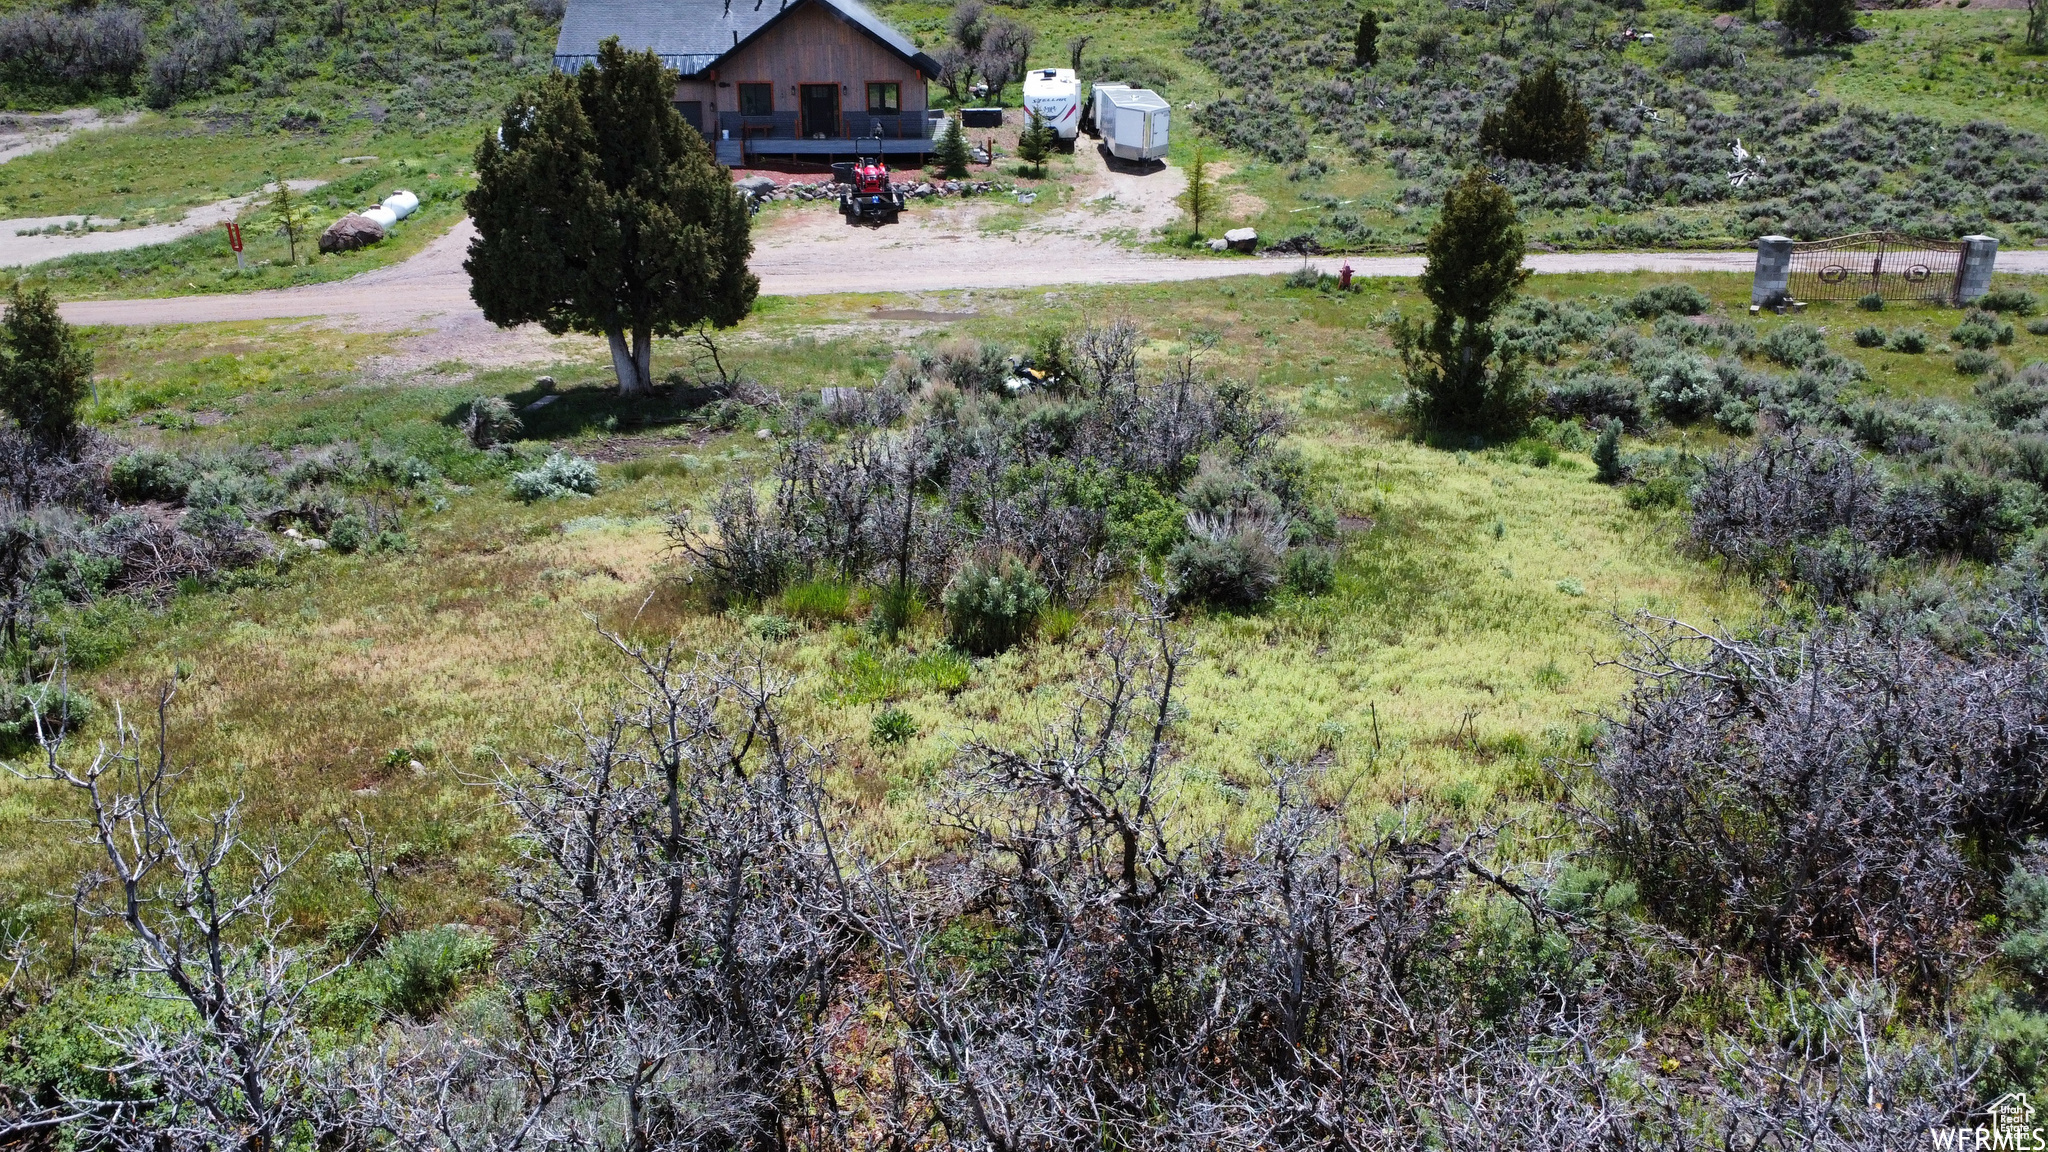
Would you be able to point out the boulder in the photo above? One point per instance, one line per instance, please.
(1242, 239)
(755, 187)
(350, 233)
(1219, 245)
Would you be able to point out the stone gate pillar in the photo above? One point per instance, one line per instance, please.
(1773, 269)
(1973, 276)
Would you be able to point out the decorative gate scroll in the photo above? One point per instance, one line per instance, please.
(1892, 264)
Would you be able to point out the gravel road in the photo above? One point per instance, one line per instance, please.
(17, 249)
(432, 290)
(938, 246)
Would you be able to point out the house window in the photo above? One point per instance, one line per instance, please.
(885, 99)
(757, 99)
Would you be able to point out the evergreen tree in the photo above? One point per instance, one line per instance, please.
(289, 214)
(1544, 121)
(1819, 21)
(1607, 463)
(598, 209)
(1200, 197)
(952, 154)
(1366, 51)
(45, 369)
(1460, 380)
(1035, 143)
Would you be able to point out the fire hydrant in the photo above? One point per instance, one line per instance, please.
(1344, 276)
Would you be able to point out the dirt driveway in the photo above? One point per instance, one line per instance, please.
(938, 245)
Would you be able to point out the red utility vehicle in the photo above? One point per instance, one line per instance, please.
(872, 199)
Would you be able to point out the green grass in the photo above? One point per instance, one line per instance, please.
(1460, 646)
(154, 170)
(1927, 62)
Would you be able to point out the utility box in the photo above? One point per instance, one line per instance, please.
(1133, 121)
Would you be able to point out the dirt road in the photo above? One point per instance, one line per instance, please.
(939, 245)
(22, 241)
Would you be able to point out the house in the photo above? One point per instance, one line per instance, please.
(804, 78)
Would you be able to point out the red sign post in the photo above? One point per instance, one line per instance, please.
(235, 242)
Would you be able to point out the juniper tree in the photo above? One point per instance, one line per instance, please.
(1035, 143)
(1821, 21)
(1461, 381)
(952, 154)
(1544, 121)
(1608, 467)
(598, 209)
(45, 369)
(1366, 49)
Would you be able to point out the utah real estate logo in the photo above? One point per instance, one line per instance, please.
(2011, 1128)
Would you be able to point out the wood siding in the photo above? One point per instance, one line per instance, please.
(810, 46)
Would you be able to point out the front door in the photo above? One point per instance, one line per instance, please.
(820, 108)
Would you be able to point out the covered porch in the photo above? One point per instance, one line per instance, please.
(854, 133)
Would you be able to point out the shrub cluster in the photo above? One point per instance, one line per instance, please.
(95, 521)
(1834, 790)
(991, 607)
(1095, 468)
(1691, 368)
(557, 476)
(96, 48)
(205, 40)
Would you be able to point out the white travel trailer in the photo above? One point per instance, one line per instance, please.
(1132, 121)
(1055, 95)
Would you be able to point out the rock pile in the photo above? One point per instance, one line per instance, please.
(350, 233)
(831, 190)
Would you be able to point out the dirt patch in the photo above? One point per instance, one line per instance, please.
(1244, 206)
(22, 133)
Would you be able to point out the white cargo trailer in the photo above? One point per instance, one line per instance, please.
(1055, 95)
(1132, 121)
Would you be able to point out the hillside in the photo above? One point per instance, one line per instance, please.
(1257, 713)
(1929, 125)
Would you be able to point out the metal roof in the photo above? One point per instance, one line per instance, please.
(693, 35)
(1135, 99)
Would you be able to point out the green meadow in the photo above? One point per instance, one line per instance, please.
(1460, 656)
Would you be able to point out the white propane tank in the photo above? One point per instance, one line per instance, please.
(402, 203)
(384, 217)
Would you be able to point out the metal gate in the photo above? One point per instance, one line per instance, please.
(1892, 264)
